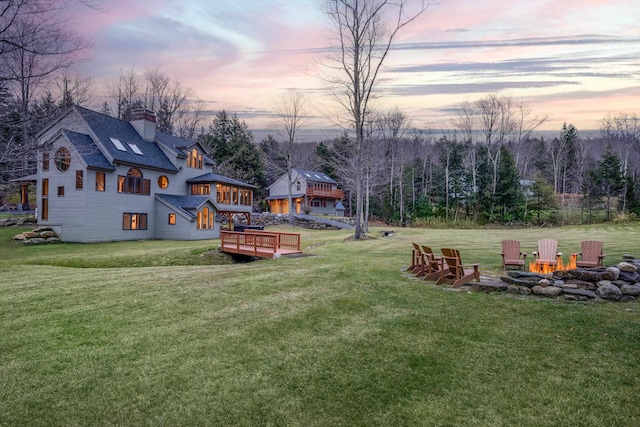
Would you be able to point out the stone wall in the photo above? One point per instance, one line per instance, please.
(266, 219)
(620, 282)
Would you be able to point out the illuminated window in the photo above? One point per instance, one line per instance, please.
(45, 161)
(163, 182)
(245, 197)
(62, 159)
(100, 181)
(172, 219)
(134, 221)
(79, 180)
(45, 199)
(234, 195)
(194, 159)
(133, 183)
(205, 219)
(200, 189)
(223, 193)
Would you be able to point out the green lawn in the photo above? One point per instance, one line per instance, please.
(152, 333)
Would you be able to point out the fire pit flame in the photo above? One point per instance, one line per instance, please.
(546, 268)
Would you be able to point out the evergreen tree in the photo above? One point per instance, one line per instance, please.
(633, 196)
(508, 189)
(543, 197)
(230, 144)
(610, 177)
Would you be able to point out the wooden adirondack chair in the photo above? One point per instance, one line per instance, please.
(415, 259)
(591, 254)
(547, 252)
(456, 273)
(511, 254)
(433, 264)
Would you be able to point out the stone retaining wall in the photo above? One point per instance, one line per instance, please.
(620, 282)
(38, 236)
(266, 219)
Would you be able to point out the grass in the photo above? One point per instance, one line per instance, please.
(338, 338)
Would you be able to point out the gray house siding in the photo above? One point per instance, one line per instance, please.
(88, 215)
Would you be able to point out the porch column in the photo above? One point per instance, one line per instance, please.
(24, 196)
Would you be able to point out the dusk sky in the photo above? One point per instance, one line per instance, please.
(575, 60)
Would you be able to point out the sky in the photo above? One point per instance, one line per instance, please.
(575, 61)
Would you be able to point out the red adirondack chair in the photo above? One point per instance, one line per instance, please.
(433, 264)
(591, 254)
(512, 255)
(457, 273)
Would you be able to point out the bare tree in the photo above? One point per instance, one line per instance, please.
(123, 93)
(167, 98)
(291, 112)
(190, 119)
(74, 88)
(365, 30)
(525, 123)
(35, 45)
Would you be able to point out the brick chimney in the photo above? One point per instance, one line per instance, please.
(144, 122)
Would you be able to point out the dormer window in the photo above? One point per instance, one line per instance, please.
(194, 159)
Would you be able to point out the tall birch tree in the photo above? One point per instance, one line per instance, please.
(365, 31)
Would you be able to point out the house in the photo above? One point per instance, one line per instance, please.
(315, 190)
(102, 179)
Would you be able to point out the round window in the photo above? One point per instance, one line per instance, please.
(62, 159)
(163, 182)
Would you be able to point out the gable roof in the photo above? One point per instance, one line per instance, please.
(105, 128)
(315, 176)
(88, 150)
(184, 204)
(214, 177)
(180, 146)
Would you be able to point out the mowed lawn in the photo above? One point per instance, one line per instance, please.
(169, 333)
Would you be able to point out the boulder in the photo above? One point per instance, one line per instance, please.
(581, 284)
(34, 241)
(550, 291)
(528, 282)
(518, 290)
(53, 240)
(30, 234)
(604, 283)
(627, 266)
(48, 234)
(489, 287)
(19, 237)
(615, 271)
(629, 276)
(41, 229)
(580, 293)
(633, 290)
(609, 292)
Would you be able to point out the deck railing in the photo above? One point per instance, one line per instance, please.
(259, 243)
(288, 241)
(334, 194)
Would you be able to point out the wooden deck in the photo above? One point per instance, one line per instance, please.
(263, 244)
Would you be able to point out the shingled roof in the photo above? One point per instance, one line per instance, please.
(214, 177)
(135, 151)
(88, 150)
